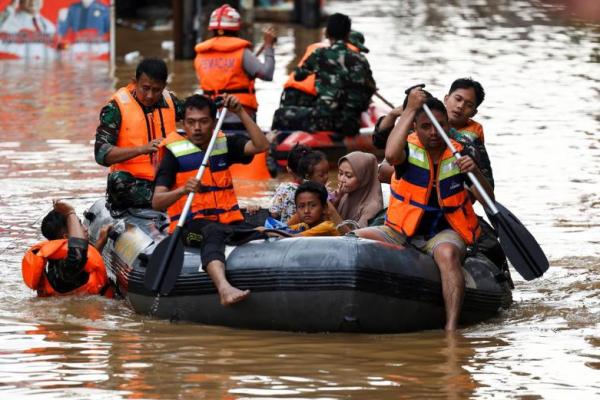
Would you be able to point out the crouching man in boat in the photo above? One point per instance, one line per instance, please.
(215, 213)
(66, 263)
(132, 125)
(430, 207)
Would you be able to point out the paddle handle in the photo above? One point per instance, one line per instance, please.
(489, 203)
(211, 144)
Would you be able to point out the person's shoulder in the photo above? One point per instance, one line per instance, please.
(286, 187)
(110, 113)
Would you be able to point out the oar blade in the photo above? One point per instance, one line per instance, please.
(521, 248)
(165, 265)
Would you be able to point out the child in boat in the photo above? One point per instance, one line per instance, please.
(358, 198)
(462, 101)
(66, 263)
(312, 211)
(303, 164)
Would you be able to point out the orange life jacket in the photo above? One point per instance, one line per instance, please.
(308, 85)
(410, 194)
(473, 131)
(138, 129)
(34, 264)
(216, 200)
(219, 69)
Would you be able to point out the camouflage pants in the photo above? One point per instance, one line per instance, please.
(309, 119)
(123, 191)
(294, 97)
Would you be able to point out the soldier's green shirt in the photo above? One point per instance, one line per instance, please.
(107, 132)
(343, 77)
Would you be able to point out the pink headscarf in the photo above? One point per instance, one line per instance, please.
(367, 200)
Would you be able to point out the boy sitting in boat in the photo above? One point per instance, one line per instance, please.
(215, 214)
(66, 263)
(313, 212)
(430, 207)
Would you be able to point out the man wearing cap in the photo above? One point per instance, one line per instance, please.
(340, 78)
(225, 63)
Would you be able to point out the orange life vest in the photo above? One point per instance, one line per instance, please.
(34, 264)
(410, 194)
(219, 69)
(308, 85)
(138, 129)
(216, 200)
(473, 131)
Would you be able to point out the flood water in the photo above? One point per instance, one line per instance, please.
(541, 72)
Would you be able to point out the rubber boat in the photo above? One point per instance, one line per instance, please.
(333, 144)
(327, 284)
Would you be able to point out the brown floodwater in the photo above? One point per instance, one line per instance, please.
(541, 72)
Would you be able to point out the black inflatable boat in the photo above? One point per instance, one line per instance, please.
(327, 284)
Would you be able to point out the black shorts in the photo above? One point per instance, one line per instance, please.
(211, 237)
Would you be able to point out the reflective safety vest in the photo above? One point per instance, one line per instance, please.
(472, 131)
(410, 193)
(138, 129)
(219, 69)
(308, 85)
(216, 200)
(34, 264)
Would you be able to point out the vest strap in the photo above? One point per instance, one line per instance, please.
(230, 91)
(208, 212)
(425, 206)
(209, 189)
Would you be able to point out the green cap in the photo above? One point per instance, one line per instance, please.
(358, 39)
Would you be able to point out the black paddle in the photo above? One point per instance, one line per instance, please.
(167, 259)
(521, 248)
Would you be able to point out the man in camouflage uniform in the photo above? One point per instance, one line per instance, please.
(344, 84)
(123, 189)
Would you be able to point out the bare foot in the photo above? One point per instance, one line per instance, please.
(231, 295)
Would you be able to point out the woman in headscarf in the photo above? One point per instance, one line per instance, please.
(359, 196)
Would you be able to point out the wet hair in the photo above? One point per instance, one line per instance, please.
(154, 68)
(295, 156)
(54, 225)
(307, 163)
(433, 104)
(200, 102)
(468, 83)
(338, 26)
(312, 187)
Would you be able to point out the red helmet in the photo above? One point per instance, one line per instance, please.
(225, 18)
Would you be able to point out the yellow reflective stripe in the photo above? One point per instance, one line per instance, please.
(182, 148)
(220, 146)
(448, 168)
(417, 156)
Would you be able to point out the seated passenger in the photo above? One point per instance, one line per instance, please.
(358, 197)
(430, 208)
(463, 99)
(343, 81)
(304, 93)
(303, 164)
(66, 263)
(214, 214)
(312, 211)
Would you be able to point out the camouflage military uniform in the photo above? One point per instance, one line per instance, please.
(123, 190)
(344, 85)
